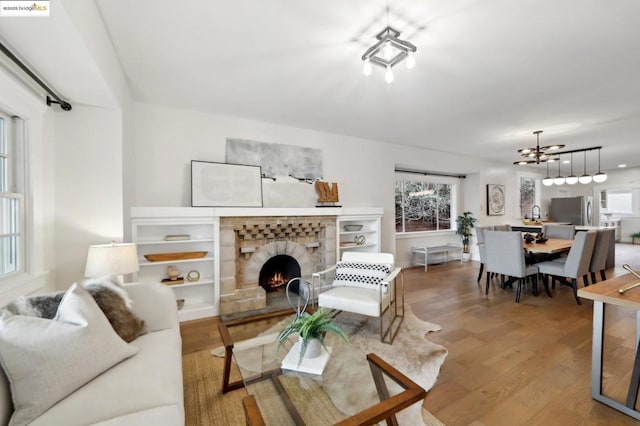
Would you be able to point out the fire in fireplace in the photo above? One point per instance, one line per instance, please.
(278, 271)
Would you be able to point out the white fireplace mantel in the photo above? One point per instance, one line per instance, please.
(165, 212)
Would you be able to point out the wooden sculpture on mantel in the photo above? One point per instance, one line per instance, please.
(327, 194)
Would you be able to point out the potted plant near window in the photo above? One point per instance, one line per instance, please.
(465, 224)
(311, 329)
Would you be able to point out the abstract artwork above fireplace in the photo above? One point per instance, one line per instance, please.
(276, 159)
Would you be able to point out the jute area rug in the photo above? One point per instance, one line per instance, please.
(411, 353)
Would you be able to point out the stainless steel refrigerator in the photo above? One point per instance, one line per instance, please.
(575, 210)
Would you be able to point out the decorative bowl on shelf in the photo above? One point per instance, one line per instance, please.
(183, 255)
(352, 228)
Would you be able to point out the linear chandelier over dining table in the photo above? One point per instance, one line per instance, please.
(551, 153)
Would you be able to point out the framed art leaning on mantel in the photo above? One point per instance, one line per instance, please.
(495, 200)
(225, 185)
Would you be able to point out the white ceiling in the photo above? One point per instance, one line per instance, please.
(488, 73)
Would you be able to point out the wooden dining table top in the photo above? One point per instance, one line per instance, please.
(552, 245)
(607, 292)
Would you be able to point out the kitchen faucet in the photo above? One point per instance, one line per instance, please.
(533, 214)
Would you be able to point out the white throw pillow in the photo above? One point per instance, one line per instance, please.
(46, 360)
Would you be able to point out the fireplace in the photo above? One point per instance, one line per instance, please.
(254, 249)
(277, 271)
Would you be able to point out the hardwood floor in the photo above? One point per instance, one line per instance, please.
(508, 363)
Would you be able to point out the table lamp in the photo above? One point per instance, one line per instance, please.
(112, 259)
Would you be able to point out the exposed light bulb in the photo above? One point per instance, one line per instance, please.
(599, 177)
(548, 181)
(388, 76)
(411, 60)
(367, 69)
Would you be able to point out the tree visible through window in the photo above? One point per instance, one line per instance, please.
(527, 196)
(422, 206)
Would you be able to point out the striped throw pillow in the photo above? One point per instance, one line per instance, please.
(361, 274)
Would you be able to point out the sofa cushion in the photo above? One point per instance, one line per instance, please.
(361, 275)
(352, 299)
(151, 379)
(167, 415)
(46, 360)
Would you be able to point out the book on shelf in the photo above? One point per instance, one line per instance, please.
(180, 237)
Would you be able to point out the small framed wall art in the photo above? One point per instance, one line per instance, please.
(225, 185)
(495, 200)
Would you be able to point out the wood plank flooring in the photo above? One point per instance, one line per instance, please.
(508, 363)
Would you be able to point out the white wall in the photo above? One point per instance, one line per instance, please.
(88, 186)
(167, 139)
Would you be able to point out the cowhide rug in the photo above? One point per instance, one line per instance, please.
(411, 353)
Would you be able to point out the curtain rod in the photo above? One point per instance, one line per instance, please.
(66, 106)
(428, 173)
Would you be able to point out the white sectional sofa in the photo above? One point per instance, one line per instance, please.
(145, 389)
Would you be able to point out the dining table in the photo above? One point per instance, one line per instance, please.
(613, 292)
(551, 246)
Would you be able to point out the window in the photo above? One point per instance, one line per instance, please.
(620, 202)
(423, 206)
(11, 200)
(528, 196)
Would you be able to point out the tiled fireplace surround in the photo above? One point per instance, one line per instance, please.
(246, 243)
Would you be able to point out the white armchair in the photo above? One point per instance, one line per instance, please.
(367, 284)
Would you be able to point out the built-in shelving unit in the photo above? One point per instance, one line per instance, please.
(150, 228)
(367, 238)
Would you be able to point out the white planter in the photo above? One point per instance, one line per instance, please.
(314, 348)
(466, 257)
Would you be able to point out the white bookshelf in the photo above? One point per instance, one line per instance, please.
(150, 227)
(352, 240)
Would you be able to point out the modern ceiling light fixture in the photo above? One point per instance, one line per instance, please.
(538, 154)
(571, 179)
(585, 178)
(547, 181)
(599, 177)
(388, 51)
(558, 180)
(547, 154)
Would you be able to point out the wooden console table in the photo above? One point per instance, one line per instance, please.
(606, 292)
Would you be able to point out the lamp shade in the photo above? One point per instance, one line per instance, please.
(111, 259)
(599, 177)
(548, 181)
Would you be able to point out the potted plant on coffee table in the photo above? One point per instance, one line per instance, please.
(465, 224)
(311, 329)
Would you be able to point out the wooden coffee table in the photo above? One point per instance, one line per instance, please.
(354, 388)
